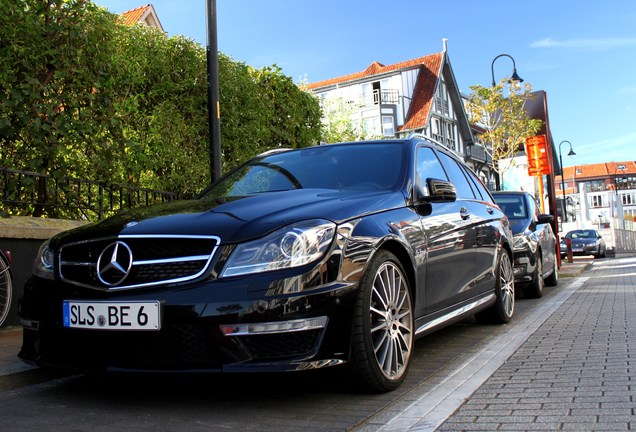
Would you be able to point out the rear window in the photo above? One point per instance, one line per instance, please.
(513, 206)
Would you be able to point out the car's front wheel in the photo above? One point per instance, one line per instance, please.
(382, 334)
(503, 309)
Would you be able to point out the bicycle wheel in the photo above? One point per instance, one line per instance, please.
(5, 290)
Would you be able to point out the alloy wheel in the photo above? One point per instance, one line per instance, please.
(391, 321)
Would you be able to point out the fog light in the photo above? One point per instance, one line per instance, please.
(274, 327)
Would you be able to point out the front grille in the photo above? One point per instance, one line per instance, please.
(133, 261)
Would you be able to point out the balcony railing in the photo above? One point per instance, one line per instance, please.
(27, 193)
(478, 153)
(386, 97)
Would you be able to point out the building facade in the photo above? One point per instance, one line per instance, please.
(600, 195)
(415, 96)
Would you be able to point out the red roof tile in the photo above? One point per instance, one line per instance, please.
(421, 101)
(424, 92)
(374, 68)
(605, 170)
(132, 16)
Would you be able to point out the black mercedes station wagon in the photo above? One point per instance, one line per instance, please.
(339, 254)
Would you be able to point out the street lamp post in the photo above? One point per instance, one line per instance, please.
(214, 117)
(514, 78)
(571, 153)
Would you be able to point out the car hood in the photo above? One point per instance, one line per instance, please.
(239, 219)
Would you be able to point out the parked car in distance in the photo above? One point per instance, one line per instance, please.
(339, 254)
(584, 242)
(535, 254)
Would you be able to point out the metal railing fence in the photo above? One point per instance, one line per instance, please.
(25, 193)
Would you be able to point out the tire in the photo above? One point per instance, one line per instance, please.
(5, 290)
(382, 332)
(535, 289)
(503, 309)
(553, 279)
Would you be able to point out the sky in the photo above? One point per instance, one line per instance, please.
(582, 53)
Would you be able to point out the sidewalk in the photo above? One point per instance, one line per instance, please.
(566, 366)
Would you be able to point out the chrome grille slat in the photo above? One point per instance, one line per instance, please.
(156, 259)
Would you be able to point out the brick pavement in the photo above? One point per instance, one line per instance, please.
(575, 372)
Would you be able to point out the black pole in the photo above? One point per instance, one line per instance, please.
(214, 116)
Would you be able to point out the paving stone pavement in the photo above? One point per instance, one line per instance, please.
(576, 372)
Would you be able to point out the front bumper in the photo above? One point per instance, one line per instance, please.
(213, 327)
(524, 266)
(578, 250)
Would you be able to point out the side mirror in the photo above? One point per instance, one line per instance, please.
(545, 219)
(437, 190)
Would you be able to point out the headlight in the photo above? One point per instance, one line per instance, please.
(288, 247)
(44, 260)
(519, 243)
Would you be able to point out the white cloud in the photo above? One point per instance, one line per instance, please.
(627, 90)
(600, 43)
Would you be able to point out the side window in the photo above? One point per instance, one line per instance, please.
(457, 177)
(478, 187)
(534, 208)
(428, 166)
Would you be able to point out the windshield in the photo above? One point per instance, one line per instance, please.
(582, 234)
(369, 166)
(512, 205)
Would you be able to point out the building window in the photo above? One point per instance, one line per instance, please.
(436, 130)
(628, 199)
(450, 135)
(388, 126)
(598, 201)
(596, 186)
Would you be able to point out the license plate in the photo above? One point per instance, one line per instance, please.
(112, 315)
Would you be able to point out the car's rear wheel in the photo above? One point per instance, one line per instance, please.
(553, 279)
(535, 289)
(382, 338)
(503, 309)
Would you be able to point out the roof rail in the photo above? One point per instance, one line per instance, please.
(274, 151)
(437, 143)
(424, 137)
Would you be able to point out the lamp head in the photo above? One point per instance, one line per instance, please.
(515, 78)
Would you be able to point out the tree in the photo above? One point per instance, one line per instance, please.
(338, 124)
(84, 96)
(504, 118)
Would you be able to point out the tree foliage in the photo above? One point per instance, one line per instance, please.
(505, 119)
(82, 95)
(338, 124)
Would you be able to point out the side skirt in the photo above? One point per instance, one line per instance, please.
(455, 315)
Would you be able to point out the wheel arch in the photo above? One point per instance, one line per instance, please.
(401, 253)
